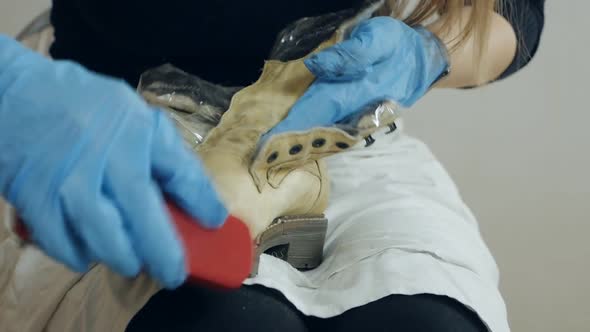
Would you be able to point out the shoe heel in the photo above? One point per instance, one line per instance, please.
(298, 240)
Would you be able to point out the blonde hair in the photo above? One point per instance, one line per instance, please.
(450, 11)
(447, 13)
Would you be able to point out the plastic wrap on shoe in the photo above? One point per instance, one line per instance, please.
(373, 117)
(194, 104)
(302, 36)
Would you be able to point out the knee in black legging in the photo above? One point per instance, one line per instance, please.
(400, 313)
(192, 309)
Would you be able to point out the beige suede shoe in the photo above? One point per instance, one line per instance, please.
(281, 189)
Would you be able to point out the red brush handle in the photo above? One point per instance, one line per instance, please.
(220, 258)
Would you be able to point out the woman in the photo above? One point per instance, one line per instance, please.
(405, 257)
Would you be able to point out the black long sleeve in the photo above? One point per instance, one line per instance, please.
(225, 42)
(527, 17)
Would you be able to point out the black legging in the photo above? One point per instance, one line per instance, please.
(256, 308)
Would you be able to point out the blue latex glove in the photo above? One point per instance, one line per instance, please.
(86, 163)
(383, 59)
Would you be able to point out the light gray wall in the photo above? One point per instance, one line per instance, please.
(519, 153)
(15, 13)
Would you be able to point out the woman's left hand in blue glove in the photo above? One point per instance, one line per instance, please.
(383, 59)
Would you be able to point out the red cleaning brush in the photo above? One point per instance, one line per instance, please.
(220, 258)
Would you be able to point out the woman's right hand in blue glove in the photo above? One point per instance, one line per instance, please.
(86, 163)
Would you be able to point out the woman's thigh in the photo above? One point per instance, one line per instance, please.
(190, 308)
(256, 308)
(404, 313)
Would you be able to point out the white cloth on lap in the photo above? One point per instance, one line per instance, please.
(397, 225)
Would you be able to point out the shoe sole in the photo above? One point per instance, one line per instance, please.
(298, 240)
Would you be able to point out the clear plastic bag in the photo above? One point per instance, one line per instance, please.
(197, 105)
(194, 104)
